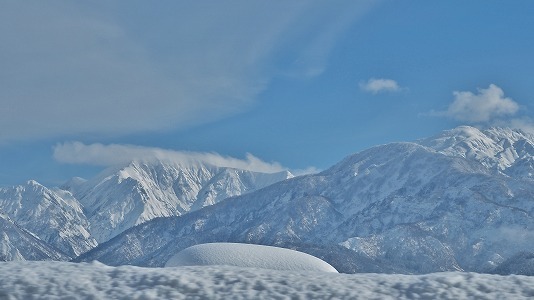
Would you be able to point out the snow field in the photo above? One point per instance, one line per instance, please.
(62, 280)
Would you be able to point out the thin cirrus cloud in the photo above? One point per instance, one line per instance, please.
(73, 68)
(484, 106)
(116, 154)
(379, 85)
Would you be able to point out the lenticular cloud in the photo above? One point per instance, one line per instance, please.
(114, 154)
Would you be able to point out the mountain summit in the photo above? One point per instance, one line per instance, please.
(122, 197)
(503, 149)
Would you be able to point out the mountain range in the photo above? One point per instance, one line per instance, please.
(83, 213)
(461, 200)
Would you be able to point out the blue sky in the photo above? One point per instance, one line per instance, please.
(274, 84)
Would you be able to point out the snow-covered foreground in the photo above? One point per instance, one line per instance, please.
(62, 280)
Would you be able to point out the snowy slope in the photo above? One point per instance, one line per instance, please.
(53, 215)
(19, 244)
(435, 206)
(122, 197)
(59, 280)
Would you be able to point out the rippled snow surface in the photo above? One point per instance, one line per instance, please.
(62, 280)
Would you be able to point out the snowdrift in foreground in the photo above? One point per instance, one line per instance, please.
(248, 255)
(54, 280)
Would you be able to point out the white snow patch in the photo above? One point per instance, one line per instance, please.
(62, 280)
(248, 255)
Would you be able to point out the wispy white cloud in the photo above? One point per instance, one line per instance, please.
(485, 105)
(378, 85)
(71, 68)
(115, 154)
(306, 171)
(524, 123)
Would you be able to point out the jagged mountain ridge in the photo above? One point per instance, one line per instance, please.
(434, 205)
(82, 213)
(120, 198)
(17, 243)
(502, 149)
(52, 215)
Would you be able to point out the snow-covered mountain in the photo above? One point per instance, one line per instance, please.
(463, 200)
(55, 216)
(82, 213)
(122, 197)
(503, 149)
(17, 243)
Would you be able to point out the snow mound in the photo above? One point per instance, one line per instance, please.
(248, 255)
